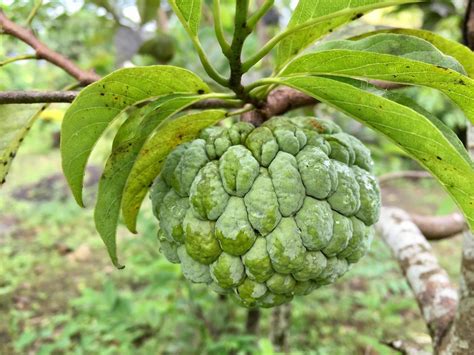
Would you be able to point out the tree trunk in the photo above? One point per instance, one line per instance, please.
(461, 336)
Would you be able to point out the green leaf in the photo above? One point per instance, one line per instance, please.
(404, 46)
(98, 104)
(127, 144)
(337, 13)
(387, 67)
(189, 13)
(412, 131)
(148, 9)
(148, 164)
(454, 49)
(15, 122)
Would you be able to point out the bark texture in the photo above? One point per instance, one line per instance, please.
(280, 327)
(436, 296)
(461, 337)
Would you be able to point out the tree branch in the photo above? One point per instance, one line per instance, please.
(440, 227)
(34, 97)
(18, 58)
(43, 52)
(436, 296)
(461, 337)
(241, 32)
(278, 102)
(284, 99)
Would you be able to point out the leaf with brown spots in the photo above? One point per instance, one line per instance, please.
(392, 58)
(98, 105)
(128, 142)
(15, 122)
(423, 137)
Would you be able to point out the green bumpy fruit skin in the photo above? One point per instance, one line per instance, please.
(267, 213)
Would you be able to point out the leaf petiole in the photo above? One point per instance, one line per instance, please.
(252, 22)
(216, 13)
(275, 40)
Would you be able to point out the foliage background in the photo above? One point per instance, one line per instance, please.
(60, 294)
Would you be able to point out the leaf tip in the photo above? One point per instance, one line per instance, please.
(119, 266)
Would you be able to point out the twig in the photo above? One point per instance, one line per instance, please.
(440, 227)
(408, 174)
(263, 9)
(436, 296)
(31, 97)
(43, 52)
(284, 99)
(216, 14)
(33, 12)
(34, 97)
(278, 102)
(216, 103)
(432, 227)
(18, 58)
(241, 32)
(241, 111)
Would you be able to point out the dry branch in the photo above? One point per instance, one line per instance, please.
(436, 296)
(44, 52)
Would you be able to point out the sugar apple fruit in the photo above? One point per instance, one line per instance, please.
(161, 47)
(267, 213)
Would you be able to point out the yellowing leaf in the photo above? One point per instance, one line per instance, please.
(15, 121)
(127, 144)
(150, 159)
